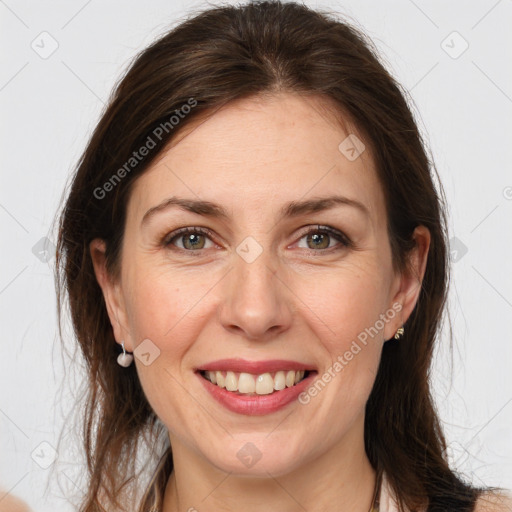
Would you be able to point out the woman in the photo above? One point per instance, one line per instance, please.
(255, 257)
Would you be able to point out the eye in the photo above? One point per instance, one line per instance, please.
(190, 238)
(320, 237)
(317, 239)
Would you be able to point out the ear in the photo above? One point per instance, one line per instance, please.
(409, 281)
(111, 293)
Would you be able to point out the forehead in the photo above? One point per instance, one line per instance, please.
(260, 153)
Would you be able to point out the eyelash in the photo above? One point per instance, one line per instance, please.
(338, 235)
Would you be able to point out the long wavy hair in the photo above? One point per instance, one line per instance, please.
(218, 55)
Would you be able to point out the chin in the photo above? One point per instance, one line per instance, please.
(257, 455)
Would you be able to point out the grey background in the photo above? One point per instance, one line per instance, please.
(50, 104)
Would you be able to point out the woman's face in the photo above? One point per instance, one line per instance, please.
(276, 281)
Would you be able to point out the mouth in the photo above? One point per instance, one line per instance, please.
(255, 387)
(249, 384)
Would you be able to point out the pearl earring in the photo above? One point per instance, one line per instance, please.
(125, 359)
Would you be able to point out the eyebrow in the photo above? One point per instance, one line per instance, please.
(289, 210)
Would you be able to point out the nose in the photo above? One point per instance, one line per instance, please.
(257, 303)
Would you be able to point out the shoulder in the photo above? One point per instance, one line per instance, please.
(10, 503)
(494, 502)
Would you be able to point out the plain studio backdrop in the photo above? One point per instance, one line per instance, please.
(60, 61)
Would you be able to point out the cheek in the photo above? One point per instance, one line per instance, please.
(345, 311)
(346, 303)
(163, 306)
(168, 309)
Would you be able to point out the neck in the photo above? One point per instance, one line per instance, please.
(343, 476)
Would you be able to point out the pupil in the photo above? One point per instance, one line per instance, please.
(193, 240)
(319, 240)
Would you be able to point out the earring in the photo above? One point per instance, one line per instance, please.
(399, 333)
(125, 359)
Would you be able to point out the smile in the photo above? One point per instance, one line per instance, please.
(255, 388)
(250, 384)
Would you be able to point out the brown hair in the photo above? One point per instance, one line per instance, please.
(217, 56)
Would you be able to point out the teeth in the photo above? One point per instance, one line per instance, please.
(231, 383)
(263, 384)
(279, 381)
(246, 383)
(221, 382)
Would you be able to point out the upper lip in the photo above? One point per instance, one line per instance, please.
(254, 367)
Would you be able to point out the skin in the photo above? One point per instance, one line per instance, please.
(295, 301)
(11, 503)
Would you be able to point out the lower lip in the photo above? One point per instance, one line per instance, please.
(256, 405)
